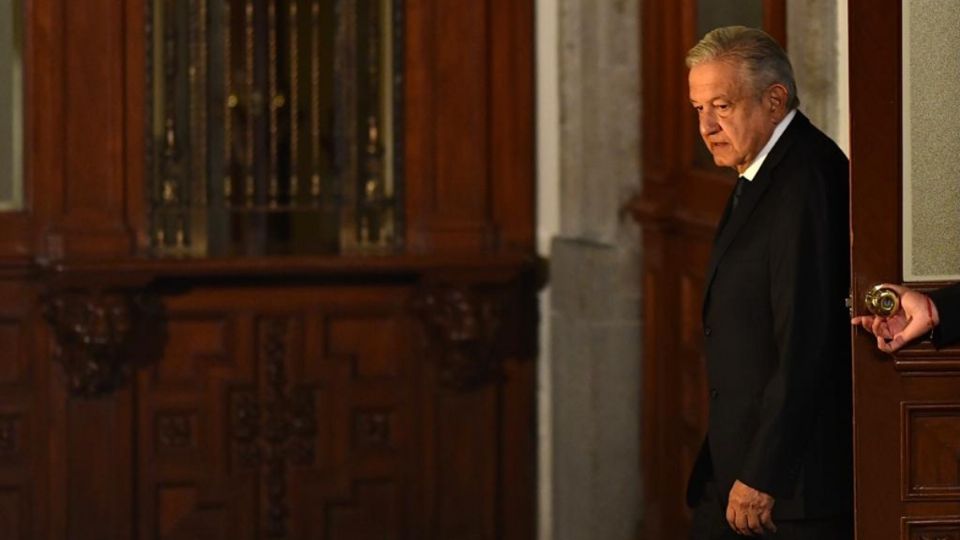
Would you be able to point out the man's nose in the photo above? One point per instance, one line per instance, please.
(708, 124)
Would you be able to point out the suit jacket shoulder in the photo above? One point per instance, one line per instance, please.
(947, 301)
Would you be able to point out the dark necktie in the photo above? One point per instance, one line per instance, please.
(738, 191)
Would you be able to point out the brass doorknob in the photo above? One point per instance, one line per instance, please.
(882, 301)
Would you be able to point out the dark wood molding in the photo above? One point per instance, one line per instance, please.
(98, 309)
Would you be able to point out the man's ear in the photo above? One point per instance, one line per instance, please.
(777, 95)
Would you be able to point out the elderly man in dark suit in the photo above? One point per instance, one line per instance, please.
(776, 462)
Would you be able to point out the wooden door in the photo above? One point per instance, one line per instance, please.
(907, 408)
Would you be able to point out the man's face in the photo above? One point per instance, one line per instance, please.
(735, 124)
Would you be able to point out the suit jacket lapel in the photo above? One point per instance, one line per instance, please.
(748, 201)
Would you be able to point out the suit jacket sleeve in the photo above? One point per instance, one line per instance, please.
(806, 261)
(947, 301)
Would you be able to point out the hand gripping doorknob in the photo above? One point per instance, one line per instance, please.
(882, 301)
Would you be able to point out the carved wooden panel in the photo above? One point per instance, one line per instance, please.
(945, 528)
(11, 510)
(189, 487)
(931, 452)
(12, 361)
(363, 359)
(285, 422)
(195, 343)
(372, 511)
(24, 453)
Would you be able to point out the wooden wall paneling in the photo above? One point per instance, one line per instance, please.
(466, 463)
(135, 118)
(87, 200)
(363, 368)
(98, 468)
(195, 470)
(512, 123)
(517, 442)
(281, 412)
(91, 439)
(419, 145)
(469, 133)
(478, 396)
(43, 114)
(447, 176)
(458, 436)
(23, 501)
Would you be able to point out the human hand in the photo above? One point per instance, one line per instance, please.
(749, 511)
(917, 316)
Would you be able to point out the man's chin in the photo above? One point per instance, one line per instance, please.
(721, 161)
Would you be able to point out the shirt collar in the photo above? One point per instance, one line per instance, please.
(754, 167)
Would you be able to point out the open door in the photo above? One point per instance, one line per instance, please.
(907, 407)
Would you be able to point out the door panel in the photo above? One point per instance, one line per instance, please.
(907, 408)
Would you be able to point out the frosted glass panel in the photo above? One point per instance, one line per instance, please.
(931, 140)
(11, 106)
(716, 13)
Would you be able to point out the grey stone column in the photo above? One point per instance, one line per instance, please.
(812, 43)
(595, 282)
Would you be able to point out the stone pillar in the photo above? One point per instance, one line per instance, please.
(594, 367)
(813, 46)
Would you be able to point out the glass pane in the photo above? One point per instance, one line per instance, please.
(931, 169)
(714, 14)
(272, 129)
(11, 106)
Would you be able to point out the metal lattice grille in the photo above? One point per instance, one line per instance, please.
(274, 126)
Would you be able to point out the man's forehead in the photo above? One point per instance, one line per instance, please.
(712, 80)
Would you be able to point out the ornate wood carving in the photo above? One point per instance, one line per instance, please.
(372, 429)
(102, 335)
(462, 324)
(245, 427)
(9, 436)
(175, 430)
(278, 431)
(289, 422)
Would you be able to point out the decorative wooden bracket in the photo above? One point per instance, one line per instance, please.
(101, 336)
(462, 323)
(473, 327)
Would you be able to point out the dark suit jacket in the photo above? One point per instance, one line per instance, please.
(777, 336)
(947, 300)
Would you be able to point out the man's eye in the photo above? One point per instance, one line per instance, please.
(722, 106)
